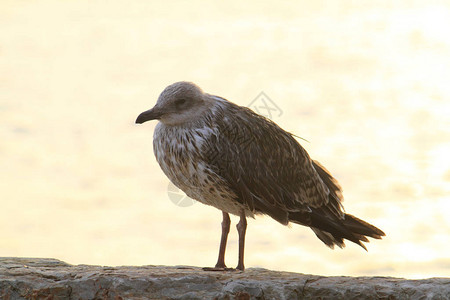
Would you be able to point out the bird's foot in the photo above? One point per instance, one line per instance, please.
(219, 269)
(220, 266)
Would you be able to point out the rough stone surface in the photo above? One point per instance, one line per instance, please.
(41, 278)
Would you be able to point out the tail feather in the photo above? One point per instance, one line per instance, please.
(361, 227)
(328, 239)
(333, 231)
(329, 222)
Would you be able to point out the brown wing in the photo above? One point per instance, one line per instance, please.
(264, 165)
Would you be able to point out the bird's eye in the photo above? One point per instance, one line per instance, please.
(180, 102)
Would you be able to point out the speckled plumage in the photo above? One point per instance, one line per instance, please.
(231, 146)
(229, 157)
(181, 153)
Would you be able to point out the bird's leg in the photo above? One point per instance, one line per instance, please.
(223, 240)
(241, 228)
(220, 266)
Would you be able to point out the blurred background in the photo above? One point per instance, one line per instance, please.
(366, 83)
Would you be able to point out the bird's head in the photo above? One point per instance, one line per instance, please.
(179, 103)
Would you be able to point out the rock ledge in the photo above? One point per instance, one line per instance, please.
(41, 278)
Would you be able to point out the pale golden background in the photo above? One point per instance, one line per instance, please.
(367, 84)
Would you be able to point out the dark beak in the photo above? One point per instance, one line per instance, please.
(151, 114)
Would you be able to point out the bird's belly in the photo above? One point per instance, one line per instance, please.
(201, 184)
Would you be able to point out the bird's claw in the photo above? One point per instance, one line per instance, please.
(219, 269)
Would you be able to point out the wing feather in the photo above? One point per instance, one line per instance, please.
(264, 165)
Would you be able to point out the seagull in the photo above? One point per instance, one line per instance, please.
(227, 156)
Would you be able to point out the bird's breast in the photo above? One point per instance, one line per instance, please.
(180, 154)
